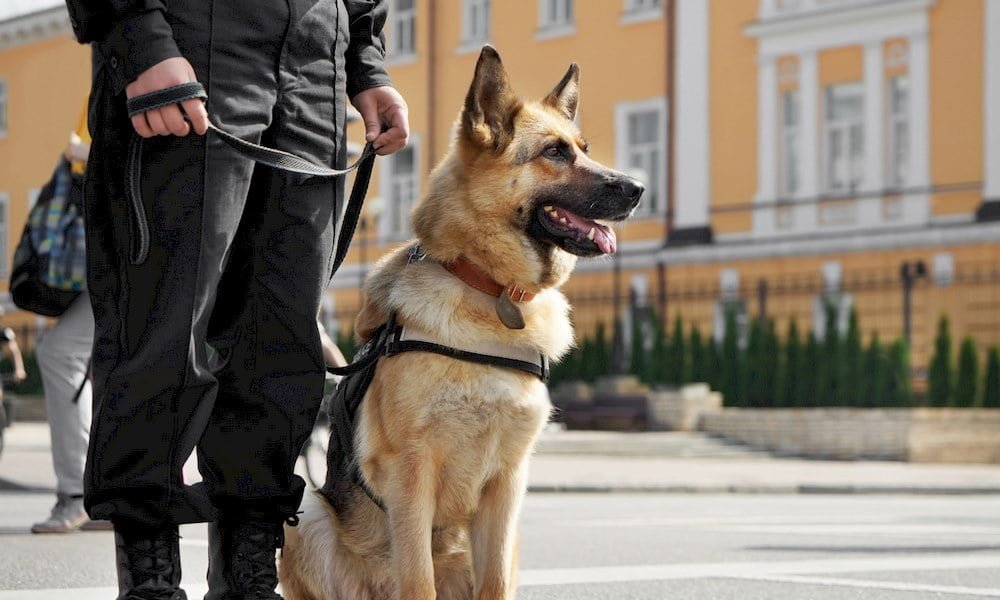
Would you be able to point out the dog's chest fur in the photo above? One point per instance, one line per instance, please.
(475, 421)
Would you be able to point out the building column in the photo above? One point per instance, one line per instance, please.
(870, 205)
(691, 156)
(807, 212)
(990, 209)
(767, 147)
(917, 207)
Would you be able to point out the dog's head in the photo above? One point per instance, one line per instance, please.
(519, 193)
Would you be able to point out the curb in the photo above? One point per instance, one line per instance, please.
(811, 489)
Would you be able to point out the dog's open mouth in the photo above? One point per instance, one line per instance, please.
(576, 234)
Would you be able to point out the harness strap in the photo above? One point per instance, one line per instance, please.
(403, 340)
(277, 159)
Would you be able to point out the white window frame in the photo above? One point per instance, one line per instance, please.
(790, 145)
(898, 170)
(638, 11)
(477, 17)
(4, 107)
(387, 185)
(843, 126)
(4, 234)
(556, 18)
(624, 151)
(398, 53)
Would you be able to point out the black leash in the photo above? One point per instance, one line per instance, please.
(277, 159)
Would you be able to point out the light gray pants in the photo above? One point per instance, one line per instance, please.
(63, 355)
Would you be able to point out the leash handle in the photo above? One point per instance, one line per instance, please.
(271, 157)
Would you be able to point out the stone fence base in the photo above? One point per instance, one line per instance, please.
(916, 435)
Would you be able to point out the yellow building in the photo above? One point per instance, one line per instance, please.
(795, 151)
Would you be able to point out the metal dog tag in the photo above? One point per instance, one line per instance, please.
(510, 315)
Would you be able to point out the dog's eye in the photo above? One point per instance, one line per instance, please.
(554, 152)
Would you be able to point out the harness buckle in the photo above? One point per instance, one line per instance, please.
(415, 254)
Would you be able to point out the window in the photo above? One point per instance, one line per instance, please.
(555, 14)
(3, 108)
(640, 11)
(642, 150)
(400, 190)
(789, 143)
(899, 130)
(845, 138)
(476, 21)
(4, 202)
(402, 30)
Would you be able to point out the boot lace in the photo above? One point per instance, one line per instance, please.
(254, 566)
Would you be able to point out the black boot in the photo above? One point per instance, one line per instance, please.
(241, 560)
(149, 564)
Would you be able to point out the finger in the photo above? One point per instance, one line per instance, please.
(156, 122)
(174, 120)
(391, 140)
(372, 122)
(389, 147)
(141, 126)
(196, 112)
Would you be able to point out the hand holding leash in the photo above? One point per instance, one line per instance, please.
(168, 119)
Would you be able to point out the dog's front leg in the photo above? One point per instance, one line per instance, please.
(411, 520)
(494, 535)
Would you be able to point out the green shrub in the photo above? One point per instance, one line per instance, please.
(700, 367)
(966, 387)
(752, 372)
(991, 385)
(676, 372)
(730, 363)
(899, 392)
(790, 369)
(853, 357)
(940, 378)
(807, 378)
(830, 367)
(875, 381)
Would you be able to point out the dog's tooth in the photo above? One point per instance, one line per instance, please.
(563, 220)
(590, 234)
(550, 208)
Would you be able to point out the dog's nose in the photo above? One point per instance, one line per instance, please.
(631, 189)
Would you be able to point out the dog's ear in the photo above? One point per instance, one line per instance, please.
(490, 106)
(565, 97)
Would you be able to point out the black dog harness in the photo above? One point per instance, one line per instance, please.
(389, 340)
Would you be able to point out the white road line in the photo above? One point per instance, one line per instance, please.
(929, 562)
(881, 585)
(791, 572)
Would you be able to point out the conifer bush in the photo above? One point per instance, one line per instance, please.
(730, 363)
(899, 393)
(699, 356)
(991, 383)
(966, 387)
(807, 379)
(940, 380)
(790, 369)
(853, 357)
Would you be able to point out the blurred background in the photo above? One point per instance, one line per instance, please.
(822, 221)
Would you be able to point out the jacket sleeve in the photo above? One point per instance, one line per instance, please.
(366, 52)
(130, 35)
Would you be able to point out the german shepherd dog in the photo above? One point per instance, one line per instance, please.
(443, 442)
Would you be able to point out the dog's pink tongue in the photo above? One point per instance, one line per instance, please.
(605, 239)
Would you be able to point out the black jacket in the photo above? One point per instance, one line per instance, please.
(133, 35)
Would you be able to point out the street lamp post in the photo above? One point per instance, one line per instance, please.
(909, 273)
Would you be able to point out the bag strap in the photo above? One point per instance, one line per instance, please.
(83, 384)
(271, 157)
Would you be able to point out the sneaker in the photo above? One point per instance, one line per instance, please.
(97, 525)
(67, 515)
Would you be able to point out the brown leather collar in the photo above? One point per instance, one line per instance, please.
(476, 278)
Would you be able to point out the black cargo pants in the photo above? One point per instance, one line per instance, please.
(239, 256)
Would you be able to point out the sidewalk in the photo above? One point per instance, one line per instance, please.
(571, 461)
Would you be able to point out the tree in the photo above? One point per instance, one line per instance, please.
(730, 363)
(875, 381)
(991, 385)
(852, 363)
(676, 367)
(790, 369)
(639, 358)
(769, 365)
(752, 373)
(940, 379)
(830, 368)
(808, 378)
(967, 386)
(661, 353)
(899, 392)
(713, 361)
(600, 362)
(699, 357)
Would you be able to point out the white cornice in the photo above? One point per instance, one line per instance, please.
(834, 15)
(34, 27)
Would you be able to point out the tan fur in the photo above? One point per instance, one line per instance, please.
(445, 443)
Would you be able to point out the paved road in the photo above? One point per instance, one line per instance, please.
(645, 546)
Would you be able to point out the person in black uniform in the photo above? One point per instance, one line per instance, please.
(238, 258)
